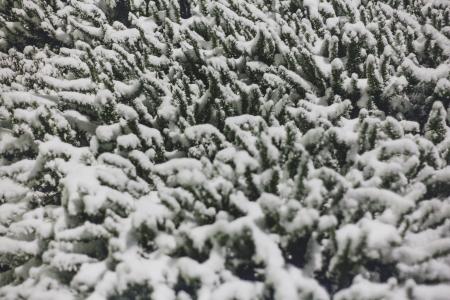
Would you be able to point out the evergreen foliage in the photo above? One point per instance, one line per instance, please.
(230, 149)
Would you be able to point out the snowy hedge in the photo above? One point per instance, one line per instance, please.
(259, 149)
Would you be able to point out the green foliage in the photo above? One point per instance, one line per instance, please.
(269, 149)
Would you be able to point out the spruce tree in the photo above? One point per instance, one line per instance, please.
(436, 126)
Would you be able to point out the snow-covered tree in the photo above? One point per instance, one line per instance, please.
(228, 149)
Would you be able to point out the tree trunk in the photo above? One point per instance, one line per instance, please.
(185, 9)
(122, 10)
